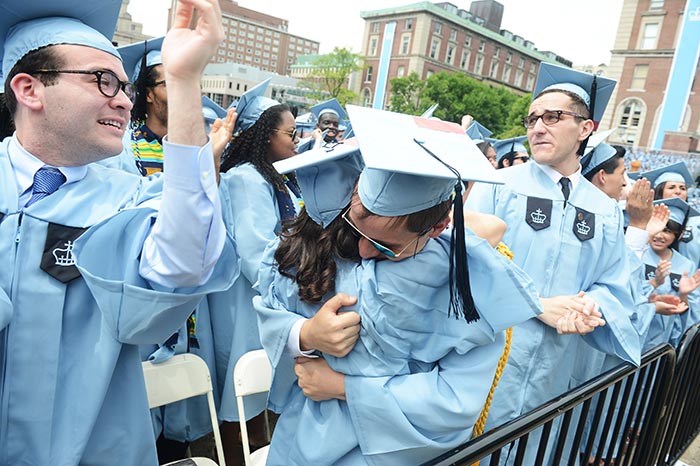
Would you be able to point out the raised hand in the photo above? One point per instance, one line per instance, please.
(659, 219)
(663, 270)
(220, 135)
(688, 283)
(640, 203)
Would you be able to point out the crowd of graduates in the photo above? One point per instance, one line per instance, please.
(398, 271)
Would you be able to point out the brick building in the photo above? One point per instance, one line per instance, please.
(128, 31)
(434, 37)
(641, 61)
(259, 40)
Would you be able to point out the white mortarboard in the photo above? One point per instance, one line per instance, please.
(420, 166)
(251, 105)
(676, 172)
(595, 91)
(132, 56)
(597, 152)
(429, 113)
(211, 110)
(326, 178)
(27, 25)
(678, 209)
(329, 106)
(478, 132)
(504, 147)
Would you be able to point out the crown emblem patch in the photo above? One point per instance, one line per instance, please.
(584, 225)
(58, 259)
(538, 213)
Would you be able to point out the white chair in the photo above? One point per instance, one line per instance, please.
(182, 376)
(252, 374)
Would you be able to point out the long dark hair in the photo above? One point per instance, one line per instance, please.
(253, 146)
(307, 254)
(145, 81)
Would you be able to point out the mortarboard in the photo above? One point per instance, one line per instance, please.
(679, 209)
(429, 113)
(26, 26)
(326, 177)
(597, 152)
(675, 172)
(211, 110)
(422, 165)
(251, 105)
(478, 132)
(329, 106)
(349, 132)
(132, 56)
(595, 91)
(504, 147)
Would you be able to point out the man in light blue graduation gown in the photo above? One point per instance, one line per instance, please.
(96, 261)
(417, 379)
(567, 235)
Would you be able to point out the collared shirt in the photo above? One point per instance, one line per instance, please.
(164, 260)
(556, 176)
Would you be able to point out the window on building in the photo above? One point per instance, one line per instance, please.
(518, 78)
(493, 72)
(509, 57)
(438, 28)
(650, 33)
(409, 24)
(434, 48)
(464, 63)
(496, 52)
(244, 26)
(639, 76)
(631, 113)
(468, 42)
(366, 97)
(368, 74)
(530, 81)
(450, 55)
(372, 49)
(400, 71)
(405, 43)
(506, 74)
(453, 34)
(482, 46)
(521, 62)
(429, 73)
(375, 28)
(479, 64)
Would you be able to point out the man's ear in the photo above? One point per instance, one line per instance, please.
(439, 227)
(29, 91)
(149, 95)
(586, 129)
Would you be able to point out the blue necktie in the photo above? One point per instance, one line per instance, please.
(46, 181)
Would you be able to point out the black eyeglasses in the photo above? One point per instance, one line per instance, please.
(292, 134)
(522, 158)
(108, 83)
(549, 118)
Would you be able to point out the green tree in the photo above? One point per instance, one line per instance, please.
(514, 123)
(331, 72)
(406, 94)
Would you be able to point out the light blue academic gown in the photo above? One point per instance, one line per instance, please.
(689, 245)
(252, 217)
(670, 328)
(416, 379)
(71, 383)
(566, 247)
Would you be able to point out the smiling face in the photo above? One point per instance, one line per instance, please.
(674, 189)
(282, 145)
(661, 242)
(71, 123)
(556, 145)
(331, 122)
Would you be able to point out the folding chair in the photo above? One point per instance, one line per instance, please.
(182, 376)
(252, 374)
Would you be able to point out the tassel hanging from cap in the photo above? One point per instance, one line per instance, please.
(461, 300)
(591, 109)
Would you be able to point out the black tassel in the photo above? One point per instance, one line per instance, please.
(591, 108)
(461, 300)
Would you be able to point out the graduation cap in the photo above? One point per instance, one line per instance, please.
(429, 113)
(422, 165)
(133, 56)
(251, 105)
(478, 132)
(211, 110)
(676, 172)
(326, 177)
(597, 152)
(329, 106)
(595, 91)
(26, 26)
(349, 132)
(504, 147)
(679, 210)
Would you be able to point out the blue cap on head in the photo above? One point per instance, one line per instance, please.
(329, 106)
(251, 105)
(211, 110)
(678, 209)
(26, 26)
(553, 77)
(132, 56)
(597, 152)
(676, 172)
(478, 132)
(327, 179)
(504, 147)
